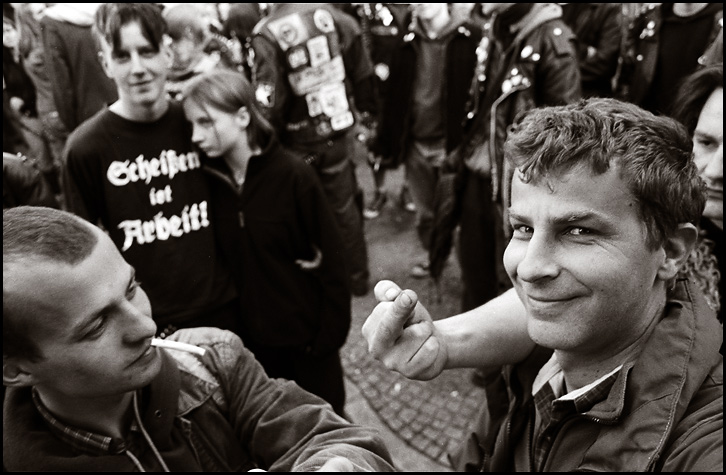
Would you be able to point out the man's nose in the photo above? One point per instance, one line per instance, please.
(713, 171)
(137, 64)
(139, 325)
(539, 260)
(197, 135)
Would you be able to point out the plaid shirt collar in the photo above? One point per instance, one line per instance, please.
(552, 406)
(81, 440)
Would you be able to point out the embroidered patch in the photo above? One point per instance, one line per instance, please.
(324, 21)
(319, 51)
(297, 57)
(289, 31)
(382, 71)
(265, 94)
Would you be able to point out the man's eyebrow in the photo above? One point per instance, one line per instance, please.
(80, 330)
(569, 218)
(705, 135)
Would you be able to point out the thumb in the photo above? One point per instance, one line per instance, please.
(386, 291)
(386, 326)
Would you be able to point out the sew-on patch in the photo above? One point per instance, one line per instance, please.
(265, 94)
(324, 21)
(288, 31)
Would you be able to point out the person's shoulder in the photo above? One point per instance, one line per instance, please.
(343, 19)
(558, 37)
(85, 137)
(292, 161)
(205, 337)
(223, 351)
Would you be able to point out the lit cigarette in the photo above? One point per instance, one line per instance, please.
(175, 345)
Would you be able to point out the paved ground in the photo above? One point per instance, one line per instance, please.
(422, 421)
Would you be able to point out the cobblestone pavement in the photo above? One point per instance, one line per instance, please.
(432, 417)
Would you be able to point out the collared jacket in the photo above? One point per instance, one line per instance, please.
(394, 129)
(218, 412)
(664, 411)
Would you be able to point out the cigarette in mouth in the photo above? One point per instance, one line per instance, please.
(175, 345)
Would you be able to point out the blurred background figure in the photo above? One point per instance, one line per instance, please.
(424, 105)
(53, 132)
(240, 20)
(699, 106)
(314, 80)
(24, 184)
(80, 86)
(21, 131)
(195, 46)
(661, 47)
(598, 28)
(383, 26)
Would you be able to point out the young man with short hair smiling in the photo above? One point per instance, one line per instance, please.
(133, 169)
(610, 362)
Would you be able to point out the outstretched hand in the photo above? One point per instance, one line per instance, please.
(401, 334)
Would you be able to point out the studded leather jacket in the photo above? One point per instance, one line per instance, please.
(538, 68)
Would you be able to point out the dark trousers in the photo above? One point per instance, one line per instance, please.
(481, 244)
(336, 170)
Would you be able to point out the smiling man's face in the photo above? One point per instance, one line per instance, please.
(580, 261)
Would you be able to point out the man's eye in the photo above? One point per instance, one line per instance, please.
(98, 328)
(148, 53)
(578, 231)
(132, 290)
(521, 230)
(705, 143)
(120, 56)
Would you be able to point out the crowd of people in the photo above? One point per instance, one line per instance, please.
(572, 154)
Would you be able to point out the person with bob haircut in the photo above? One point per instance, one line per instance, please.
(90, 389)
(278, 233)
(609, 358)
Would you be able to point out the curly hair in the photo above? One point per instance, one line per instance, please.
(652, 154)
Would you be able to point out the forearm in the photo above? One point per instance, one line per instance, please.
(491, 335)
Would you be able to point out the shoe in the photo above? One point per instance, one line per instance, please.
(405, 200)
(373, 210)
(420, 271)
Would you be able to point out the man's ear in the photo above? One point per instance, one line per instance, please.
(15, 374)
(243, 117)
(104, 64)
(677, 249)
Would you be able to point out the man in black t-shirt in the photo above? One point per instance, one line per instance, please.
(132, 169)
